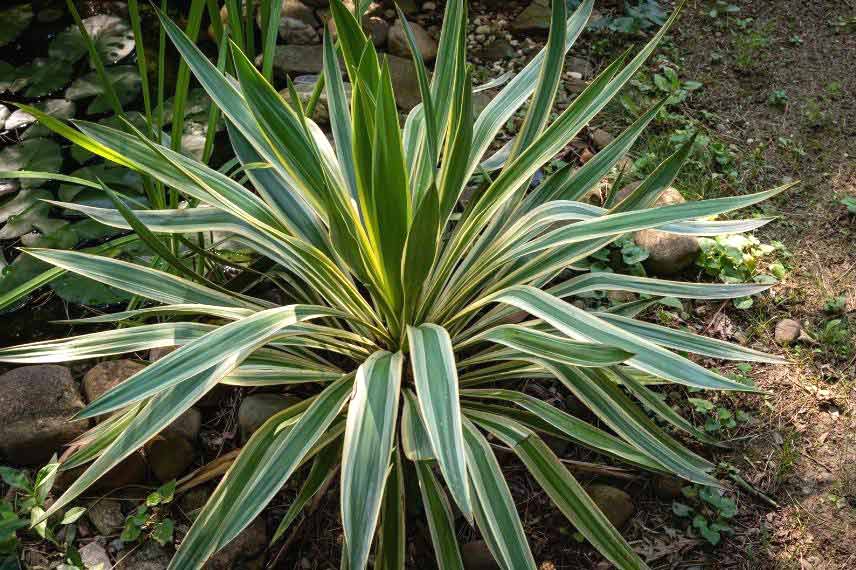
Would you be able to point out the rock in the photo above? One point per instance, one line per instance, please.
(106, 375)
(404, 82)
(169, 457)
(499, 48)
(580, 66)
(299, 60)
(257, 408)
(616, 504)
(668, 254)
(299, 11)
(397, 41)
(377, 29)
(600, 138)
(483, 30)
(323, 4)
(36, 403)
(476, 556)
(534, 18)
(148, 556)
(428, 6)
(106, 515)
(247, 545)
(787, 331)
(187, 425)
(94, 554)
(667, 488)
(295, 32)
(130, 471)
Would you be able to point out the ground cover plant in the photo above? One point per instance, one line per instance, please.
(415, 300)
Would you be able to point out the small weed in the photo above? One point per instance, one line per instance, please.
(850, 203)
(835, 305)
(835, 339)
(24, 505)
(795, 40)
(722, 9)
(791, 146)
(778, 98)
(748, 43)
(742, 258)
(709, 510)
(644, 16)
(147, 517)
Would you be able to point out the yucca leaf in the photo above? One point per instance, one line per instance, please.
(602, 281)
(221, 344)
(563, 489)
(690, 342)
(340, 115)
(566, 425)
(146, 282)
(436, 378)
(414, 436)
(290, 207)
(267, 461)
(656, 404)
(155, 415)
(494, 507)
(440, 521)
(392, 536)
(581, 325)
(614, 408)
(367, 449)
(420, 250)
(550, 72)
(105, 343)
(324, 468)
(552, 347)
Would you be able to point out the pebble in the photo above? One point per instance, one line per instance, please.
(787, 331)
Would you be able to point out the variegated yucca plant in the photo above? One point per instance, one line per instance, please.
(403, 326)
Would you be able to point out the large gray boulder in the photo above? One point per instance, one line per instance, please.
(37, 403)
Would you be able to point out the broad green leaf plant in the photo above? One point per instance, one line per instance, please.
(404, 322)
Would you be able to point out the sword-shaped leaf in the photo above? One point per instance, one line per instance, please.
(366, 453)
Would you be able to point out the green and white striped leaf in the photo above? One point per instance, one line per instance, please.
(267, 461)
(563, 489)
(690, 342)
(552, 347)
(414, 435)
(441, 524)
(155, 415)
(366, 453)
(106, 343)
(324, 468)
(221, 344)
(603, 397)
(392, 535)
(581, 325)
(577, 430)
(144, 281)
(495, 512)
(436, 378)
